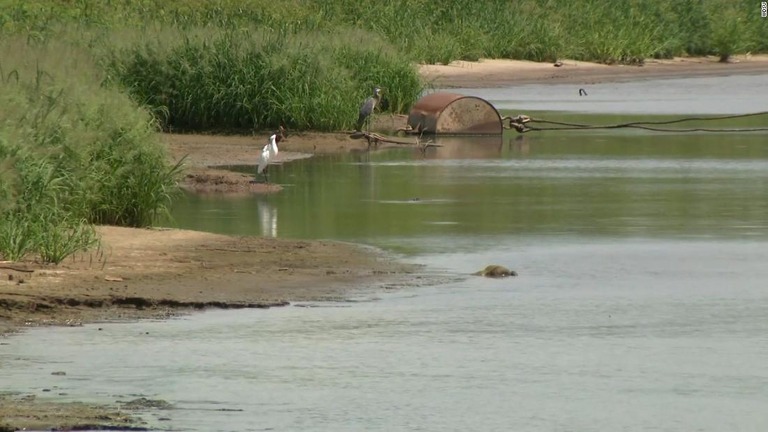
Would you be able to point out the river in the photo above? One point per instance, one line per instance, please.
(641, 302)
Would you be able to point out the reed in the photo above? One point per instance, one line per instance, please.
(429, 31)
(243, 65)
(74, 152)
(252, 79)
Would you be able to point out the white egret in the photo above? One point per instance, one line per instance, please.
(269, 152)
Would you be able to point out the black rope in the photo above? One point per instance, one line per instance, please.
(645, 124)
(534, 128)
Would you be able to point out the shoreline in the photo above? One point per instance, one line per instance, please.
(163, 273)
(208, 157)
(159, 273)
(489, 73)
(155, 273)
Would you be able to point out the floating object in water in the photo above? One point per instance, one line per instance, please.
(454, 114)
(495, 271)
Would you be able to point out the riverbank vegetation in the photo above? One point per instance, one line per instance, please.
(85, 85)
(243, 79)
(233, 64)
(73, 154)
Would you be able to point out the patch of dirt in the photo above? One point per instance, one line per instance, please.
(158, 272)
(212, 180)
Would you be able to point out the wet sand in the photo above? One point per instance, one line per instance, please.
(142, 273)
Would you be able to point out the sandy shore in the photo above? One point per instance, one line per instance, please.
(495, 73)
(155, 272)
(139, 273)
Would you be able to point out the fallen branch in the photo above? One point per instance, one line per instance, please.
(375, 139)
(17, 269)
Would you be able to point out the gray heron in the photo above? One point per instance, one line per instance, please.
(366, 109)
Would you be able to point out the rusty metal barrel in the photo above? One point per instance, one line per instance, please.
(454, 114)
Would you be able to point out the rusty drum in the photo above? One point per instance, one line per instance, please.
(454, 114)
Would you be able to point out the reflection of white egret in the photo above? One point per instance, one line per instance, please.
(269, 152)
(267, 218)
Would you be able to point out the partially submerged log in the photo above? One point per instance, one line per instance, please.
(376, 140)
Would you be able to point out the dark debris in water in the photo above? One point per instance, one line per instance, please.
(98, 427)
(144, 403)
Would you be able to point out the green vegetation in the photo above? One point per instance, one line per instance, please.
(86, 84)
(245, 64)
(430, 31)
(73, 154)
(235, 80)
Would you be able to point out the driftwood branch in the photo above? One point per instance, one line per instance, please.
(18, 269)
(375, 139)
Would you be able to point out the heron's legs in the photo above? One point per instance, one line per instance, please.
(263, 174)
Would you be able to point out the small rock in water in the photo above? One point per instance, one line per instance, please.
(495, 271)
(144, 403)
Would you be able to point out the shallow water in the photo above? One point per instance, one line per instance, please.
(598, 184)
(641, 303)
(737, 94)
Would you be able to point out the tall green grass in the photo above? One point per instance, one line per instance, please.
(243, 64)
(248, 79)
(73, 153)
(440, 31)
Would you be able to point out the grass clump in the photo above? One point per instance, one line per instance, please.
(73, 154)
(208, 80)
(612, 31)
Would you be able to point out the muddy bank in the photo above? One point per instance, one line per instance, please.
(208, 158)
(155, 272)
